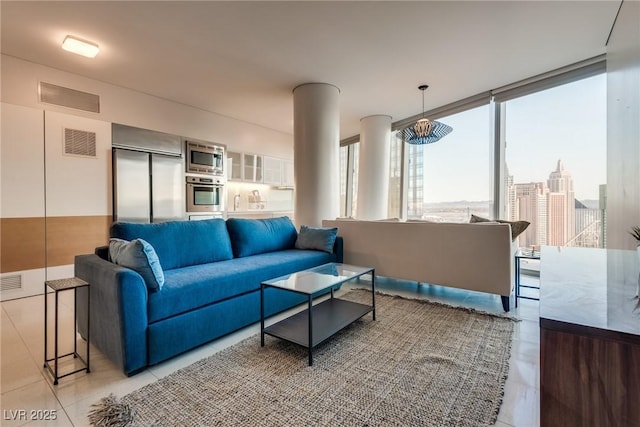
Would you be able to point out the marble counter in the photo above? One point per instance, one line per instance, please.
(589, 338)
(590, 287)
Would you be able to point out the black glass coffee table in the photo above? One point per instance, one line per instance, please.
(318, 322)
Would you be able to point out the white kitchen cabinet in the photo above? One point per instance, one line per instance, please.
(268, 170)
(252, 167)
(234, 166)
(244, 167)
(272, 170)
(278, 172)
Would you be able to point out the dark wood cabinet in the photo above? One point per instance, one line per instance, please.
(588, 381)
(589, 338)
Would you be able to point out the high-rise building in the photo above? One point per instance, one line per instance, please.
(510, 197)
(556, 217)
(561, 207)
(395, 176)
(557, 227)
(551, 209)
(415, 185)
(530, 204)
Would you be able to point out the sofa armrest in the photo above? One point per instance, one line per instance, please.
(118, 311)
(338, 248)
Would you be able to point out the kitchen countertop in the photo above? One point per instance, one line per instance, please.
(590, 287)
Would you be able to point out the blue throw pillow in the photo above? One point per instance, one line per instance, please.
(319, 239)
(258, 236)
(139, 256)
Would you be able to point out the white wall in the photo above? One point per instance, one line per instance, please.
(120, 105)
(77, 185)
(22, 196)
(22, 162)
(623, 127)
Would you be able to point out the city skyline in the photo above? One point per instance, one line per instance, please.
(567, 122)
(589, 200)
(556, 217)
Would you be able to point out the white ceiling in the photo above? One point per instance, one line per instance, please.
(242, 59)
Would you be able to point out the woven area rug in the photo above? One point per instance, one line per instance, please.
(418, 364)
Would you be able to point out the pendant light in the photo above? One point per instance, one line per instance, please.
(424, 125)
(425, 131)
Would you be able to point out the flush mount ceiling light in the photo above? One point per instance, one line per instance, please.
(80, 47)
(425, 131)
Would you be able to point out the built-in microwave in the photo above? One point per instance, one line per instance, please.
(205, 159)
(205, 194)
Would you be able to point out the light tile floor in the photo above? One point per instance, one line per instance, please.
(27, 392)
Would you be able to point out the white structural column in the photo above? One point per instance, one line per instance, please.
(373, 167)
(316, 150)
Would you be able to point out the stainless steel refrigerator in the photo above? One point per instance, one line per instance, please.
(148, 176)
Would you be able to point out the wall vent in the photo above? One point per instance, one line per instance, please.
(79, 143)
(10, 283)
(71, 98)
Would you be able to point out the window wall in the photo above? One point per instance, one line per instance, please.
(344, 178)
(396, 158)
(349, 162)
(451, 179)
(534, 150)
(355, 161)
(556, 163)
(349, 179)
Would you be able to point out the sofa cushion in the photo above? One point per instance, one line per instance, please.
(316, 238)
(517, 227)
(180, 243)
(258, 236)
(189, 288)
(139, 256)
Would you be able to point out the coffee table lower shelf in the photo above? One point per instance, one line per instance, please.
(328, 318)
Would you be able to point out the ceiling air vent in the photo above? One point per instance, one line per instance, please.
(71, 98)
(10, 283)
(79, 143)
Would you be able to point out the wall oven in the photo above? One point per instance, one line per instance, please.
(205, 159)
(205, 194)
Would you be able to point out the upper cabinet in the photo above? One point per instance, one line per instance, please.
(268, 170)
(244, 167)
(278, 172)
(287, 173)
(252, 167)
(272, 171)
(234, 166)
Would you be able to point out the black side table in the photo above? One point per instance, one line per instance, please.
(58, 286)
(520, 255)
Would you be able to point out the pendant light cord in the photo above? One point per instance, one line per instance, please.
(423, 88)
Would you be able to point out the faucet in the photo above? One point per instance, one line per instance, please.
(236, 202)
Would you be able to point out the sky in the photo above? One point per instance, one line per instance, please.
(567, 123)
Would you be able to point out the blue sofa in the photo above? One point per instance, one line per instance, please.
(212, 274)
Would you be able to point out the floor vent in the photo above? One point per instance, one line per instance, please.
(79, 143)
(10, 283)
(71, 98)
